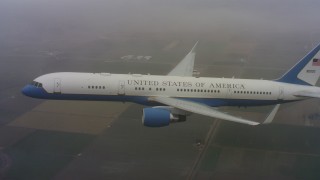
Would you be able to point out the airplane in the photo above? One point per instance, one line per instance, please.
(178, 94)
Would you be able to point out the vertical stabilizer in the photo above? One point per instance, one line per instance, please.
(306, 71)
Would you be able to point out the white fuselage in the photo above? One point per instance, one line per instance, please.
(232, 91)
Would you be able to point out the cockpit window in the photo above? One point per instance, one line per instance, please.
(36, 84)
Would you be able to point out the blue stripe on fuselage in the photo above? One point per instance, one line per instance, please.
(40, 93)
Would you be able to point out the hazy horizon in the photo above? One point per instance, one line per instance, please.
(69, 21)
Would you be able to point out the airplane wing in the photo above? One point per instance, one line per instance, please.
(203, 109)
(185, 67)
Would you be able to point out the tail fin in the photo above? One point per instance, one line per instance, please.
(306, 71)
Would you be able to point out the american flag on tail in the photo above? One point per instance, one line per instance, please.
(316, 62)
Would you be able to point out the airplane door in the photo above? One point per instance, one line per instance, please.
(281, 93)
(57, 86)
(229, 93)
(121, 88)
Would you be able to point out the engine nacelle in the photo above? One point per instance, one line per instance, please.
(157, 117)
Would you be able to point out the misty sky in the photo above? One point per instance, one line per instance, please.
(40, 21)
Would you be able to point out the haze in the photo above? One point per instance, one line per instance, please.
(68, 21)
(105, 140)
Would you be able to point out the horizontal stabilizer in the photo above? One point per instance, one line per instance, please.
(307, 94)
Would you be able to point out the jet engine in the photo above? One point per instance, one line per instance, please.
(158, 117)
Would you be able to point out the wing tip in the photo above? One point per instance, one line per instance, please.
(193, 50)
(254, 123)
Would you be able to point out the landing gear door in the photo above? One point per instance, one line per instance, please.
(121, 88)
(57, 86)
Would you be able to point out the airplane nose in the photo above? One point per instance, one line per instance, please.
(34, 92)
(27, 90)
